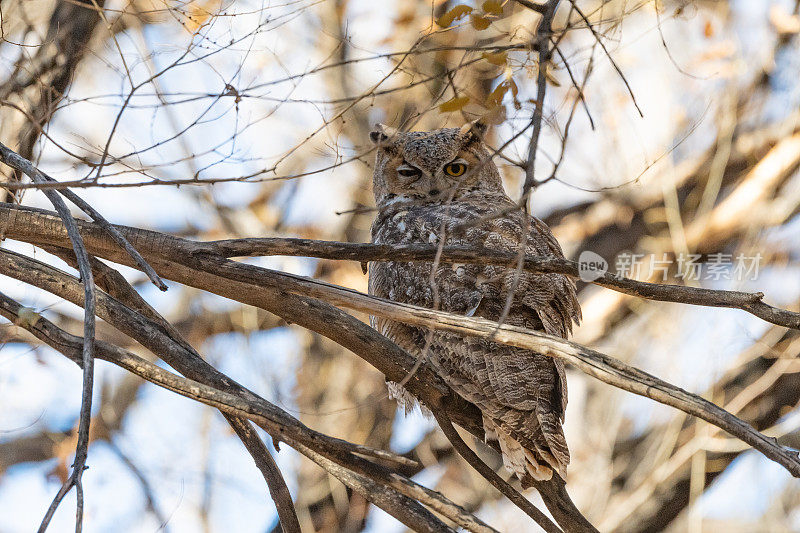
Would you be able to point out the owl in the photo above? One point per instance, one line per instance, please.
(441, 187)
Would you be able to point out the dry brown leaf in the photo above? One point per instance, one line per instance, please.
(493, 7)
(479, 22)
(199, 13)
(454, 104)
(708, 29)
(496, 58)
(495, 115)
(454, 14)
(495, 97)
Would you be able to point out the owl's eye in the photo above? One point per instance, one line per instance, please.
(455, 169)
(407, 171)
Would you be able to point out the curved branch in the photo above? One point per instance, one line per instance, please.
(333, 454)
(185, 262)
(14, 160)
(164, 251)
(278, 490)
(746, 301)
(591, 362)
(490, 475)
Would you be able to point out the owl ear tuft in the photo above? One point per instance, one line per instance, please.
(377, 137)
(475, 129)
(381, 134)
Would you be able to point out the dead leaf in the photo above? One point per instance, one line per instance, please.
(454, 14)
(479, 22)
(708, 29)
(496, 58)
(493, 7)
(495, 115)
(199, 13)
(454, 104)
(495, 98)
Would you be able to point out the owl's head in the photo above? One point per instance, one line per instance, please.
(433, 166)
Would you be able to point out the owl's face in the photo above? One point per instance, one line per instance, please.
(432, 166)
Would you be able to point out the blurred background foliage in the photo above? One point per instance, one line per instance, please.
(670, 128)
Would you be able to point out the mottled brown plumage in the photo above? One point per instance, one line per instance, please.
(423, 197)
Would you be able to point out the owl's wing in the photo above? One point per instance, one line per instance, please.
(563, 307)
(521, 392)
(541, 301)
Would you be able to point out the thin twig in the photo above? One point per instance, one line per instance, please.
(543, 35)
(82, 447)
(599, 40)
(149, 496)
(579, 87)
(18, 162)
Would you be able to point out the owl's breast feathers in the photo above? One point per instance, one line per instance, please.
(521, 394)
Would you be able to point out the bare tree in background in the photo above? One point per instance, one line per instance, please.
(251, 122)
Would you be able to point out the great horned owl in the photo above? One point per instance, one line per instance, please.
(443, 184)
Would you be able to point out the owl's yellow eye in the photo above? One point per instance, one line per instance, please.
(455, 169)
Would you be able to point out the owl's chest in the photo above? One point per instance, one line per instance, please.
(453, 287)
(425, 224)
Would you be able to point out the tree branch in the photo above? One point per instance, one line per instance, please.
(115, 284)
(308, 312)
(746, 301)
(543, 34)
(18, 162)
(490, 475)
(85, 417)
(331, 453)
(185, 262)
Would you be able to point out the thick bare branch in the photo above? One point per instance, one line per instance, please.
(746, 301)
(336, 453)
(311, 313)
(25, 228)
(490, 475)
(593, 363)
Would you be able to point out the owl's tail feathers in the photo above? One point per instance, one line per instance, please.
(406, 400)
(537, 461)
(555, 443)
